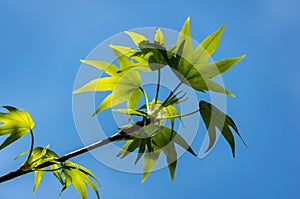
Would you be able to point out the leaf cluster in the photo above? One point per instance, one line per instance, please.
(193, 66)
(154, 133)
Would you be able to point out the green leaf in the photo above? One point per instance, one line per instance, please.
(124, 148)
(171, 155)
(78, 176)
(151, 56)
(136, 38)
(37, 178)
(216, 68)
(208, 46)
(146, 131)
(181, 142)
(142, 150)
(56, 172)
(16, 123)
(185, 37)
(123, 83)
(191, 66)
(39, 156)
(77, 181)
(152, 144)
(130, 146)
(168, 135)
(88, 172)
(150, 160)
(214, 118)
(159, 37)
(124, 50)
(134, 99)
(100, 84)
(107, 67)
(165, 140)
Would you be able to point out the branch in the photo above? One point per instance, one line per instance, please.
(118, 136)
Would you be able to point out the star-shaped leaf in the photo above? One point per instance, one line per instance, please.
(40, 155)
(158, 139)
(215, 118)
(192, 66)
(154, 53)
(16, 123)
(79, 176)
(124, 84)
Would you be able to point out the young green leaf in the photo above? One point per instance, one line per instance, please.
(123, 84)
(214, 69)
(136, 38)
(134, 99)
(150, 55)
(159, 37)
(185, 37)
(39, 156)
(37, 178)
(191, 66)
(163, 140)
(79, 177)
(150, 159)
(214, 118)
(208, 46)
(16, 123)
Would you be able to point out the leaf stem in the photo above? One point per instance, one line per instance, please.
(158, 85)
(170, 95)
(146, 99)
(31, 147)
(182, 115)
(49, 170)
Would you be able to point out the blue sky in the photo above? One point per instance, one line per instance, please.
(42, 42)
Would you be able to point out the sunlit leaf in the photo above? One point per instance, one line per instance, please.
(79, 176)
(192, 67)
(136, 38)
(153, 55)
(39, 156)
(56, 172)
(123, 84)
(134, 99)
(149, 162)
(16, 123)
(159, 37)
(216, 68)
(37, 178)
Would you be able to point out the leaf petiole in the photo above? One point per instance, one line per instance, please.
(158, 85)
(31, 147)
(146, 99)
(182, 115)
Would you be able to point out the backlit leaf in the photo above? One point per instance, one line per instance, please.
(79, 177)
(16, 123)
(191, 66)
(123, 83)
(159, 37)
(37, 178)
(214, 118)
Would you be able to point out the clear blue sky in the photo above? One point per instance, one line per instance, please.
(42, 41)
